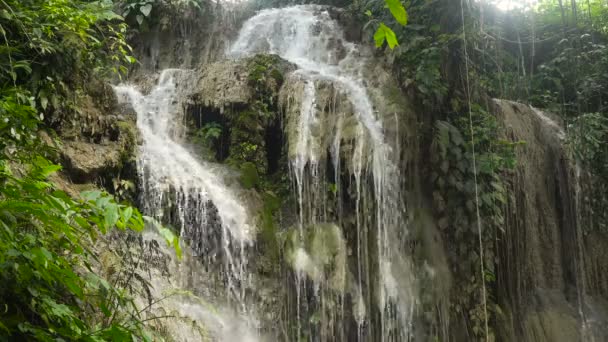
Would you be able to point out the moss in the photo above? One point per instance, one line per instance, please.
(263, 68)
(277, 75)
(249, 175)
(128, 141)
(269, 227)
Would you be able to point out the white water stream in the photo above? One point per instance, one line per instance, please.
(190, 195)
(308, 37)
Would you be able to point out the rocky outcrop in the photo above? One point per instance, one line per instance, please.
(240, 98)
(236, 83)
(86, 161)
(544, 287)
(97, 144)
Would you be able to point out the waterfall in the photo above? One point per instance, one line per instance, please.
(190, 195)
(308, 37)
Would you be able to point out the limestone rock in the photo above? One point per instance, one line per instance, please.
(85, 161)
(548, 292)
(229, 83)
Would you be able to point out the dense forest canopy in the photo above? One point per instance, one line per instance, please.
(550, 54)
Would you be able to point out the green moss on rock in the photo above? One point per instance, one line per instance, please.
(249, 175)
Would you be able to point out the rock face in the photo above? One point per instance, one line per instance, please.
(98, 144)
(545, 288)
(230, 83)
(241, 99)
(185, 36)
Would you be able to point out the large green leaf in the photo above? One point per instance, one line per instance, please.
(111, 215)
(397, 10)
(384, 33)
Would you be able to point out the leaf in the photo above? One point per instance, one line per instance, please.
(130, 59)
(111, 215)
(126, 214)
(90, 195)
(167, 234)
(145, 10)
(368, 13)
(140, 19)
(49, 170)
(380, 36)
(398, 11)
(385, 33)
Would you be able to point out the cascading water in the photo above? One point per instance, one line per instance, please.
(308, 37)
(188, 193)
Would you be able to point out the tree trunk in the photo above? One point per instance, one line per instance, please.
(564, 24)
(574, 13)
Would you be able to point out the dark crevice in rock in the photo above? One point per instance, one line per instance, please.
(273, 139)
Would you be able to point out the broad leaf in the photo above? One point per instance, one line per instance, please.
(385, 33)
(111, 215)
(126, 214)
(398, 11)
(146, 9)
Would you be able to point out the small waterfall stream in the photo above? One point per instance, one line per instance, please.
(190, 195)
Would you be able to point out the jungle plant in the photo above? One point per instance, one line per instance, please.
(210, 132)
(139, 13)
(383, 32)
(52, 47)
(138, 9)
(455, 201)
(50, 288)
(588, 139)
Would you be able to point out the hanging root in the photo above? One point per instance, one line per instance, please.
(481, 254)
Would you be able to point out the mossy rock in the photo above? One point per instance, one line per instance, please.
(320, 254)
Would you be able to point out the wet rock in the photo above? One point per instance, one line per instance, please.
(546, 290)
(229, 83)
(87, 160)
(97, 141)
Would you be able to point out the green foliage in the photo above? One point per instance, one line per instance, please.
(139, 10)
(552, 56)
(52, 288)
(420, 66)
(385, 33)
(143, 13)
(209, 133)
(46, 260)
(50, 46)
(575, 80)
(453, 178)
(588, 139)
(248, 127)
(269, 230)
(263, 68)
(397, 10)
